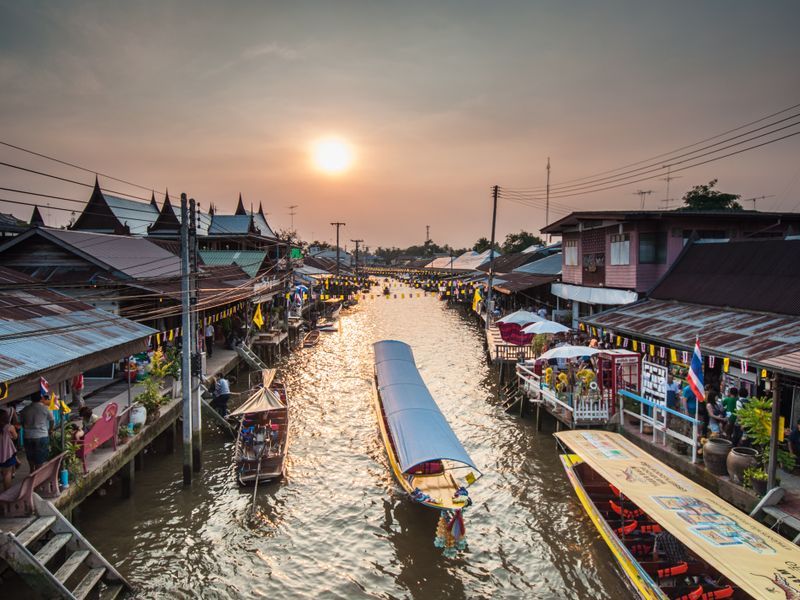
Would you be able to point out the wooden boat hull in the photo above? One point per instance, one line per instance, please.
(441, 487)
(639, 580)
(311, 338)
(246, 456)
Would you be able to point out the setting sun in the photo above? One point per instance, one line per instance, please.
(332, 155)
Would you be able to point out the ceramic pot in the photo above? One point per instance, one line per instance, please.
(715, 454)
(740, 459)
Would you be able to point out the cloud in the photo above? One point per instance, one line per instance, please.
(271, 49)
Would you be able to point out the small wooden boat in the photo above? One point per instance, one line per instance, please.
(672, 537)
(331, 309)
(327, 326)
(426, 457)
(311, 338)
(263, 435)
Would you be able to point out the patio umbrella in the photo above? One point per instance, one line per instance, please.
(569, 352)
(521, 317)
(545, 327)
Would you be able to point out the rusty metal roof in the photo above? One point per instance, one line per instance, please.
(41, 330)
(517, 282)
(754, 336)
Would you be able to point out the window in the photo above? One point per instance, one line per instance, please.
(653, 248)
(571, 253)
(621, 249)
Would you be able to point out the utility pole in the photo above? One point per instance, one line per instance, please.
(668, 178)
(337, 224)
(547, 196)
(186, 345)
(197, 417)
(356, 242)
(292, 213)
(495, 193)
(753, 200)
(642, 194)
(427, 233)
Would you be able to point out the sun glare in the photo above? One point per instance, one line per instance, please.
(332, 155)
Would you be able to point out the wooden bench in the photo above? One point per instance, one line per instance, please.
(104, 430)
(17, 501)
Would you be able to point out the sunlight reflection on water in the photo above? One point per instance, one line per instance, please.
(338, 527)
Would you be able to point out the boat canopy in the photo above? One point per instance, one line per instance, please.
(262, 400)
(752, 556)
(419, 430)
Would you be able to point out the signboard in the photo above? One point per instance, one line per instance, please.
(654, 388)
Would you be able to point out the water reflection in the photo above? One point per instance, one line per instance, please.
(337, 526)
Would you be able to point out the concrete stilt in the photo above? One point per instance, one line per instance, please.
(127, 473)
(138, 461)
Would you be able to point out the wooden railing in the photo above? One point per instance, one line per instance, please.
(512, 352)
(583, 409)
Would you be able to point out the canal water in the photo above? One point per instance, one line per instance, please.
(338, 527)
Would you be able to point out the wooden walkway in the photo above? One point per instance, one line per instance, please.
(503, 352)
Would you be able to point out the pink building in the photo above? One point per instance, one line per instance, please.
(612, 257)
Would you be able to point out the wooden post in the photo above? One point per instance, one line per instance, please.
(186, 345)
(772, 467)
(127, 473)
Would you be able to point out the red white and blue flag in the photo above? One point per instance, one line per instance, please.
(695, 378)
(44, 387)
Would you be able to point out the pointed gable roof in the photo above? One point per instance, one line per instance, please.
(110, 214)
(153, 200)
(240, 210)
(36, 218)
(168, 221)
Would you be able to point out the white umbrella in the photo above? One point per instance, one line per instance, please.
(545, 327)
(569, 352)
(521, 317)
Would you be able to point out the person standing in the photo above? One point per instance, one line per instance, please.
(76, 388)
(37, 422)
(222, 393)
(542, 312)
(209, 335)
(8, 450)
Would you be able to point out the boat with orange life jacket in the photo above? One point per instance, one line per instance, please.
(672, 538)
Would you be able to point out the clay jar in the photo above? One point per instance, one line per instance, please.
(740, 459)
(715, 453)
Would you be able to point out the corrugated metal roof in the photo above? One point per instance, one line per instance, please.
(249, 261)
(472, 260)
(550, 265)
(41, 329)
(138, 216)
(263, 227)
(33, 345)
(759, 275)
(739, 334)
(136, 257)
(230, 225)
(516, 282)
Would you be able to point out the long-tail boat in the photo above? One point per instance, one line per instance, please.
(426, 457)
(311, 338)
(262, 442)
(673, 538)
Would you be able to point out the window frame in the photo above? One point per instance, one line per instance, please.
(620, 244)
(659, 242)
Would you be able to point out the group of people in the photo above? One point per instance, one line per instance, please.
(717, 414)
(34, 424)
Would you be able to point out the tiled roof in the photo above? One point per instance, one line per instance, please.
(249, 261)
(138, 216)
(230, 225)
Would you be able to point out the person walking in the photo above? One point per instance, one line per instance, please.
(209, 335)
(37, 422)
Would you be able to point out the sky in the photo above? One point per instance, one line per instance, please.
(439, 100)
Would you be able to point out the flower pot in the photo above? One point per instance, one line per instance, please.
(715, 454)
(138, 415)
(759, 486)
(153, 416)
(740, 459)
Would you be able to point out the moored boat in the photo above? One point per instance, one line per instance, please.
(262, 442)
(311, 338)
(673, 538)
(425, 455)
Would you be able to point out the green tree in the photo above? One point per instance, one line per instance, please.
(517, 242)
(482, 245)
(705, 197)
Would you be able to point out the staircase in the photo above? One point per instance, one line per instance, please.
(250, 357)
(55, 560)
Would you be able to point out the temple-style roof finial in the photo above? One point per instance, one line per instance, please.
(240, 210)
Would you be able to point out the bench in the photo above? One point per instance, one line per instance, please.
(17, 501)
(104, 430)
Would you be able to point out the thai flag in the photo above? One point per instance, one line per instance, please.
(44, 387)
(695, 378)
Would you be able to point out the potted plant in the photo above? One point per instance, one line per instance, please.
(755, 418)
(756, 478)
(150, 399)
(123, 434)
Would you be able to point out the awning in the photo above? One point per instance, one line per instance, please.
(419, 430)
(262, 400)
(592, 295)
(517, 282)
(752, 556)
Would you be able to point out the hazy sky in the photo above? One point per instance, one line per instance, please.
(441, 100)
